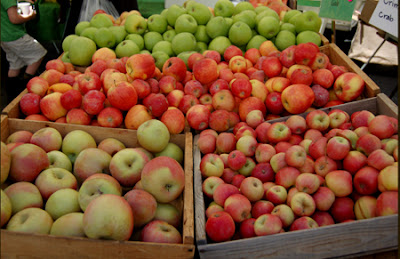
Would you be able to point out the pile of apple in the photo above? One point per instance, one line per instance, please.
(211, 91)
(192, 27)
(302, 173)
(72, 186)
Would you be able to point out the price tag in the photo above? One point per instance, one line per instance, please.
(337, 9)
(385, 16)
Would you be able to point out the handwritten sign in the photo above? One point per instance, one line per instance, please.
(385, 16)
(337, 9)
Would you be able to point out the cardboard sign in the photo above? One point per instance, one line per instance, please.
(385, 16)
(337, 9)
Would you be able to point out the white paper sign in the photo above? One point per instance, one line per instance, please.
(385, 16)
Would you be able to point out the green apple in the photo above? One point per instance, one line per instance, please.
(285, 39)
(261, 8)
(172, 150)
(241, 6)
(164, 13)
(126, 48)
(104, 38)
(268, 12)
(289, 14)
(174, 11)
(164, 46)
(62, 202)
(81, 51)
(151, 38)
(219, 44)
(247, 16)
(240, 33)
(157, 23)
(159, 57)
(137, 39)
(89, 32)
(308, 36)
(201, 34)
(200, 12)
(119, 33)
(183, 41)
(288, 27)
(308, 21)
(169, 35)
(185, 56)
(145, 51)
(201, 47)
(59, 159)
(65, 57)
(76, 141)
(185, 23)
(268, 27)
(101, 21)
(135, 24)
(217, 26)
(293, 19)
(67, 41)
(255, 42)
(81, 26)
(229, 21)
(153, 135)
(224, 8)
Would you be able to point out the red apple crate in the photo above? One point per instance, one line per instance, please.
(25, 245)
(378, 236)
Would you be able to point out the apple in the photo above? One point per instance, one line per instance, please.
(168, 213)
(5, 162)
(220, 226)
(225, 143)
(223, 191)
(303, 222)
(381, 126)
(209, 185)
(324, 198)
(264, 152)
(143, 206)
(62, 202)
(75, 141)
(166, 188)
(318, 119)
(278, 161)
(23, 195)
(368, 143)
(115, 212)
(211, 165)
(68, 225)
(153, 135)
(348, 86)
(387, 179)
(277, 132)
(88, 81)
(286, 176)
(48, 139)
(276, 194)
(387, 203)
(340, 182)
(293, 104)
(337, 148)
(302, 204)
(261, 207)
(365, 207)
(252, 188)
(295, 156)
(342, 209)
(205, 70)
(31, 220)
(307, 182)
(27, 161)
(238, 206)
(52, 179)
(37, 85)
(267, 224)
(6, 209)
(324, 164)
(95, 186)
(236, 160)
(91, 161)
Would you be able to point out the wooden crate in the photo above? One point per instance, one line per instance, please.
(353, 239)
(23, 245)
(338, 57)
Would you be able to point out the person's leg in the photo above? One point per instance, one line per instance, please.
(32, 68)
